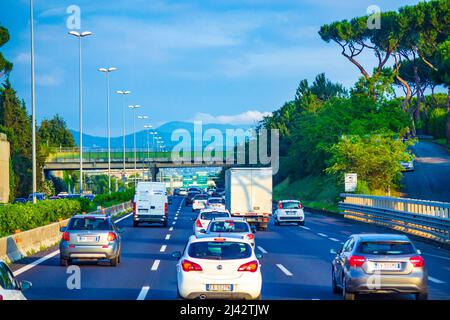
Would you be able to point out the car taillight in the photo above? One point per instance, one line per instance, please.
(198, 223)
(300, 205)
(111, 236)
(190, 266)
(1, 297)
(251, 266)
(417, 261)
(166, 208)
(251, 236)
(280, 206)
(356, 261)
(66, 236)
(134, 208)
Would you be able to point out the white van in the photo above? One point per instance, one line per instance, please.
(150, 203)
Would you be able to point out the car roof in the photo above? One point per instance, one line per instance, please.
(228, 219)
(218, 198)
(228, 238)
(381, 237)
(289, 201)
(92, 216)
(209, 210)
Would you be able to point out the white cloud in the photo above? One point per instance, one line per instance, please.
(248, 117)
(22, 57)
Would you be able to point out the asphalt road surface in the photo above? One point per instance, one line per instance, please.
(295, 263)
(430, 179)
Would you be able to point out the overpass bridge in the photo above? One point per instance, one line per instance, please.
(97, 159)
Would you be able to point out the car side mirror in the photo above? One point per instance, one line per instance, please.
(25, 285)
(258, 256)
(419, 252)
(62, 229)
(176, 254)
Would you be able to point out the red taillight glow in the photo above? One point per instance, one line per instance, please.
(111, 236)
(356, 261)
(1, 297)
(166, 208)
(300, 205)
(219, 239)
(190, 266)
(251, 266)
(198, 223)
(251, 236)
(134, 208)
(280, 205)
(417, 261)
(66, 236)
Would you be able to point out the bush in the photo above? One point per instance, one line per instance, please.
(437, 122)
(114, 197)
(28, 216)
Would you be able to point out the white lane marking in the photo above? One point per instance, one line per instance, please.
(435, 280)
(261, 249)
(171, 228)
(174, 222)
(306, 228)
(35, 263)
(123, 218)
(155, 265)
(175, 218)
(315, 299)
(334, 239)
(436, 256)
(143, 293)
(163, 248)
(323, 235)
(167, 236)
(286, 271)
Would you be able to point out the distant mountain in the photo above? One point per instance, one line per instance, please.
(165, 131)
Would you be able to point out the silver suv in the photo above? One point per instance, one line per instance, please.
(379, 263)
(90, 236)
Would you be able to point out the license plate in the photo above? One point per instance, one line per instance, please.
(387, 266)
(291, 212)
(87, 239)
(219, 287)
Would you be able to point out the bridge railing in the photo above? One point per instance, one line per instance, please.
(424, 218)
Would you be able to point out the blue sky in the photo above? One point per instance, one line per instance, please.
(220, 61)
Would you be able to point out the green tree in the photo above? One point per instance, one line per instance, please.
(54, 133)
(5, 65)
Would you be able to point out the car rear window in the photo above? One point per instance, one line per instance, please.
(220, 250)
(229, 226)
(200, 197)
(81, 224)
(211, 215)
(385, 248)
(290, 205)
(215, 200)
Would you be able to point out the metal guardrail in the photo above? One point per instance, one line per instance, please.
(114, 210)
(429, 219)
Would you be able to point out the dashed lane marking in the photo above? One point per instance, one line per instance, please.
(261, 249)
(334, 239)
(323, 235)
(155, 265)
(163, 248)
(285, 271)
(435, 280)
(306, 228)
(167, 236)
(143, 293)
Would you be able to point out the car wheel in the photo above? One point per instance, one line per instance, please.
(63, 262)
(277, 223)
(165, 224)
(114, 261)
(119, 259)
(334, 286)
(347, 295)
(421, 296)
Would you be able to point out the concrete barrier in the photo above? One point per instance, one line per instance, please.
(23, 244)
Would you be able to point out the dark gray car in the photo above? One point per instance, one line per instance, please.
(379, 263)
(90, 237)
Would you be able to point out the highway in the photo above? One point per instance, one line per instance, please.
(295, 263)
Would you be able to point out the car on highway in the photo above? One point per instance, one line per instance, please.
(199, 201)
(10, 287)
(39, 196)
(231, 226)
(289, 211)
(379, 263)
(90, 237)
(407, 165)
(218, 268)
(215, 203)
(204, 218)
(190, 197)
(20, 200)
(151, 203)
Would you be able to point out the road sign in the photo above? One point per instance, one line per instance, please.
(351, 180)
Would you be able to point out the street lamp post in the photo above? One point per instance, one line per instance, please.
(134, 139)
(107, 71)
(33, 105)
(123, 93)
(80, 35)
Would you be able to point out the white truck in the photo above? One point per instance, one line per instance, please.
(151, 204)
(248, 194)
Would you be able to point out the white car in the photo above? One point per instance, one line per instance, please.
(231, 226)
(10, 287)
(407, 166)
(199, 202)
(216, 203)
(289, 211)
(204, 218)
(218, 268)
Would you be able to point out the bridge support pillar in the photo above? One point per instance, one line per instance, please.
(154, 172)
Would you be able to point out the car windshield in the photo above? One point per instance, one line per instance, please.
(81, 224)
(7, 281)
(220, 250)
(290, 205)
(217, 200)
(212, 215)
(385, 248)
(229, 226)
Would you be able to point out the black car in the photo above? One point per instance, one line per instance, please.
(19, 200)
(190, 196)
